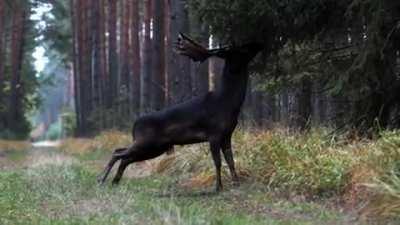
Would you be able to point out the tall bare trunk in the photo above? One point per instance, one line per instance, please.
(304, 104)
(135, 57)
(75, 56)
(17, 43)
(124, 46)
(158, 73)
(179, 80)
(112, 51)
(83, 64)
(147, 59)
(96, 61)
(102, 60)
(2, 35)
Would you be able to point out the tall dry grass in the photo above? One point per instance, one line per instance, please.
(105, 141)
(358, 171)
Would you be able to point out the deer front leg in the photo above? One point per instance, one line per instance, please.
(216, 155)
(228, 155)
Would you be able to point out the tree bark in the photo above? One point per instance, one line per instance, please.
(147, 59)
(96, 61)
(158, 73)
(305, 104)
(112, 52)
(83, 75)
(103, 77)
(135, 57)
(179, 80)
(17, 43)
(75, 57)
(2, 37)
(124, 46)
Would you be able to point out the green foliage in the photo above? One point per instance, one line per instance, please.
(68, 122)
(18, 131)
(269, 21)
(28, 83)
(54, 132)
(348, 47)
(57, 34)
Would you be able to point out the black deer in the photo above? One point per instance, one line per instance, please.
(210, 118)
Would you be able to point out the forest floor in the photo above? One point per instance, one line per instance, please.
(45, 186)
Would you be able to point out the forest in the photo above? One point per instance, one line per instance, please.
(320, 119)
(335, 63)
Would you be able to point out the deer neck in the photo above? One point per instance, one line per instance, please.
(232, 90)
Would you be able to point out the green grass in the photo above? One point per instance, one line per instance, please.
(288, 178)
(68, 194)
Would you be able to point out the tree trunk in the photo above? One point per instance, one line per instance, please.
(305, 104)
(124, 78)
(88, 44)
(147, 61)
(179, 81)
(17, 43)
(96, 62)
(83, 76)
(2, 58)
(75, 57)
(135, 57)
(102, 82)
(158, 73)
(112, 52)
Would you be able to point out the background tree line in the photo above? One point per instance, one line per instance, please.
(330, 62)
(17, 76)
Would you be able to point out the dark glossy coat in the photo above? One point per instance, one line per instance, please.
(209, 118)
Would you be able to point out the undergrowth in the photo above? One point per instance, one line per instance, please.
(314, 165)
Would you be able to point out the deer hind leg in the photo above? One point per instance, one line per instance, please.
(136, 154)
(228, 155)
(115, 157)
(121, 169)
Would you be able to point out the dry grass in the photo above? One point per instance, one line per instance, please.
(315, 164)
(10, 145)
(357, 171)
(107, 140)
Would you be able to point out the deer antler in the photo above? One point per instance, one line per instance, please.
(188, 47)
